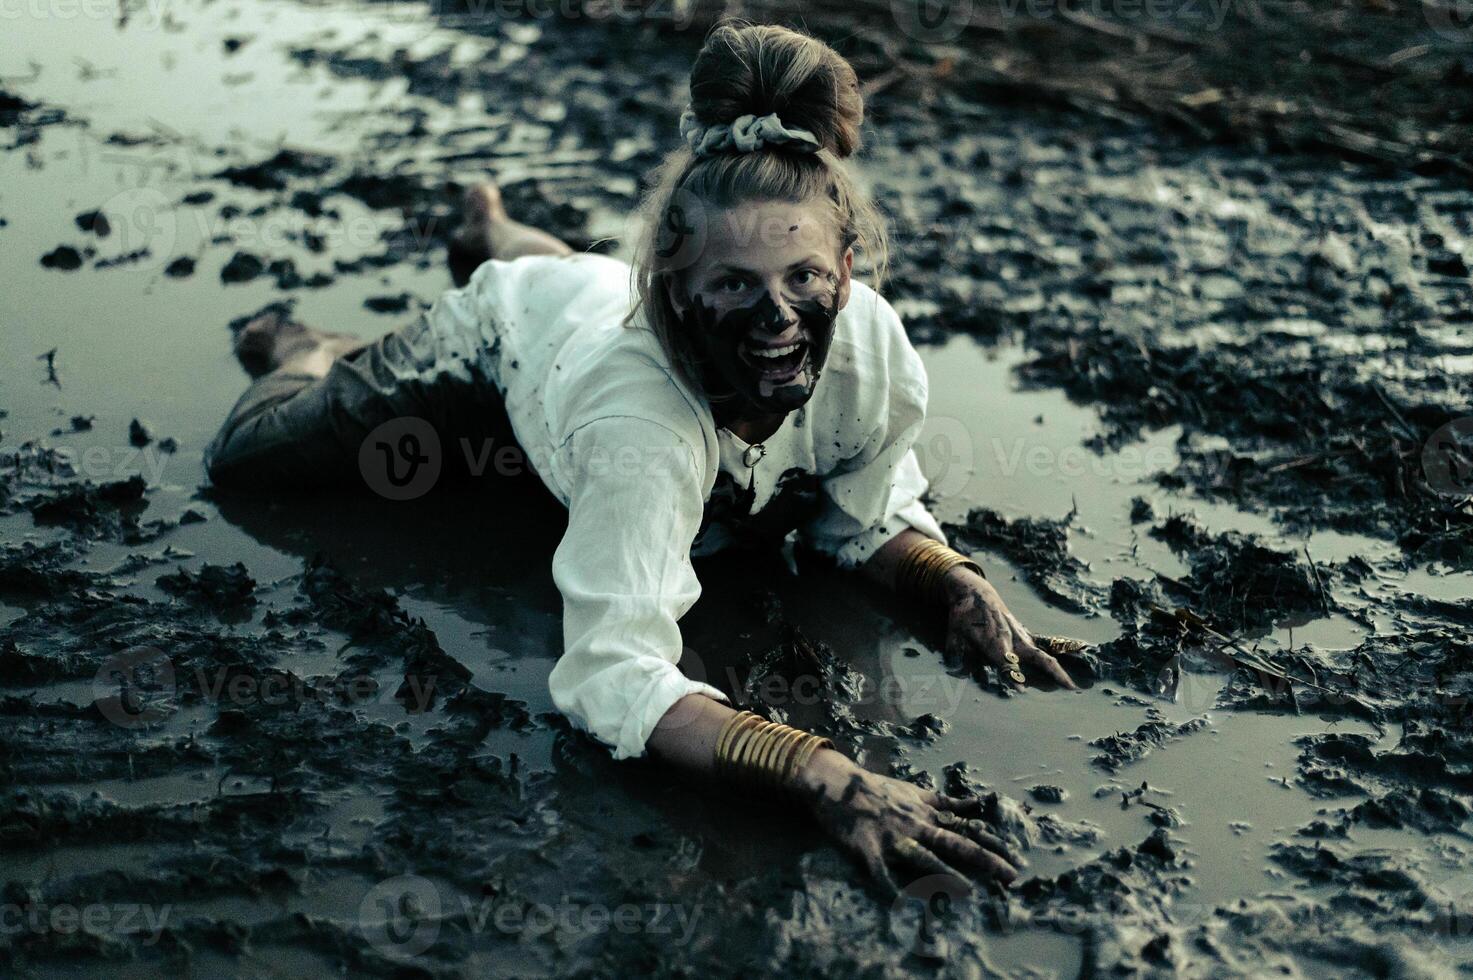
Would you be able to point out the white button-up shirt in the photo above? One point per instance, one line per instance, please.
(649, 479)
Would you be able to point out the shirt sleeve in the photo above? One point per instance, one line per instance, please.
(623, 568)
(876, 493)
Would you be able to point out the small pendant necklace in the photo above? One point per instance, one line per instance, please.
(751, 456)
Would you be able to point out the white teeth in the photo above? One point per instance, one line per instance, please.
(774, 351)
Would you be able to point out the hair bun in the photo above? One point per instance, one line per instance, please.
(762, 69)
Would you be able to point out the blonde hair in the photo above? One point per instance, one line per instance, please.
(745, 69)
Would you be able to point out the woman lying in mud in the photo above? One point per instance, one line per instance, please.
(743, 387)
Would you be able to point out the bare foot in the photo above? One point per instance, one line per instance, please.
(488, 232)
(274, 340)
(483, 206)
(472, 242)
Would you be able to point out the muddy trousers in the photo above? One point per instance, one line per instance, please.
(413, 397)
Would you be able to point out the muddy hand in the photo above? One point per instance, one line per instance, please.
(980, 629)
(899, 831)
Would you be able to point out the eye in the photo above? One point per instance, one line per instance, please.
(730, 284)
(805, 277)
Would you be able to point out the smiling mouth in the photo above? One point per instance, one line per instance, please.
(776, 364)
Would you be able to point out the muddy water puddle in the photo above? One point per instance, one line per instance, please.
(132, 342)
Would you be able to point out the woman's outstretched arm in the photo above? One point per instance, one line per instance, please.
(979, 624)
(897, 830)
(872, 514)
(624, 572)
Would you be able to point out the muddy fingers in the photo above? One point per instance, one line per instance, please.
(967, 854)
(1007, 660)
(977, 831)
(960, 806)
(1049, 667)
(879, 872)
(910, 853)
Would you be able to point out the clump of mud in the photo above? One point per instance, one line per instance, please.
(1238, 580)
(1040, 547)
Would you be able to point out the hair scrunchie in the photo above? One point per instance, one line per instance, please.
(744, 135)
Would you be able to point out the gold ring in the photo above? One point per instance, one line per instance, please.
(907, 846)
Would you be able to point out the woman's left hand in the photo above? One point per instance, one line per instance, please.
(980, 629)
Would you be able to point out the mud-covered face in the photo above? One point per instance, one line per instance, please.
(760, 305)
(768, 355)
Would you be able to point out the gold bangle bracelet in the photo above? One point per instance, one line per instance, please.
(739, 738)
(802, 752)
(741, 746)
(916, 561)
(922, 568)
(806, 751)
(757, 747)
(753, 761)
(787, 750)
(905, 565)
(925, 561)
(729, 732)
(763, 754)
(942, 561)
(782, 755)
(724, 738)
(925, 565)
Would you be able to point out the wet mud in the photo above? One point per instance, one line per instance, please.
(1192, 401)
